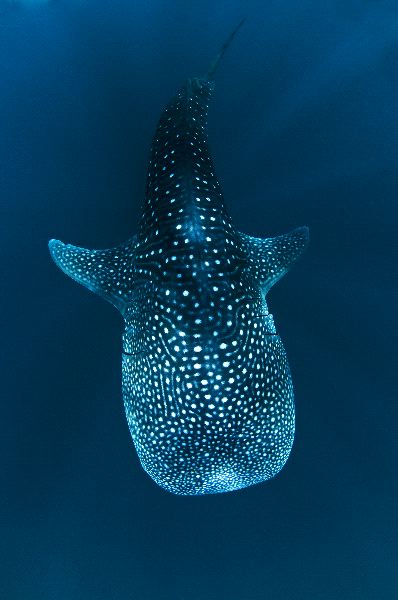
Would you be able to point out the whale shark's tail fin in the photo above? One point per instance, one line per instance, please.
(216, 61)
(108, 273)
(270, 258)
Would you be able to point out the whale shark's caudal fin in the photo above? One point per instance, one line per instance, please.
(108, 273)
(210, 73)
(270, 258)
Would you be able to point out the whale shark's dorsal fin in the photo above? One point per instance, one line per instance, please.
(108, 273)
(216, 61)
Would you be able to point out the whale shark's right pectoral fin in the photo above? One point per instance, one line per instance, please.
(271, 258)
(108, 273)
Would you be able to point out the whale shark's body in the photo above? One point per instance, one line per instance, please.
(206, 383)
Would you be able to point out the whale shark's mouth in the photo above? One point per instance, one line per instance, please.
(133, 353)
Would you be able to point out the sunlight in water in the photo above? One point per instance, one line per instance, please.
(30, 2)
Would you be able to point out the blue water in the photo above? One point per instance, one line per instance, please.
(304, 131)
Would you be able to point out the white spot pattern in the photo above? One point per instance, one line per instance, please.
(206, 384)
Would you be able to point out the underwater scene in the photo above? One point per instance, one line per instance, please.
(224, 175)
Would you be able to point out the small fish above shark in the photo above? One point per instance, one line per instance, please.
(206, 383)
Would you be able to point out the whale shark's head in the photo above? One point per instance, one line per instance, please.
(206, 383)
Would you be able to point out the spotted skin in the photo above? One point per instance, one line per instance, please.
(206, 384)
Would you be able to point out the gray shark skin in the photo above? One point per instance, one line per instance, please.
(206, 383)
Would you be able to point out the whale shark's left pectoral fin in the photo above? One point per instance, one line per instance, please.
(108, 273)
(270, 258)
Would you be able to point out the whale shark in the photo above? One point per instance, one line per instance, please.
(206, 384)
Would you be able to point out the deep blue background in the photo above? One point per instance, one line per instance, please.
(304, 130)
